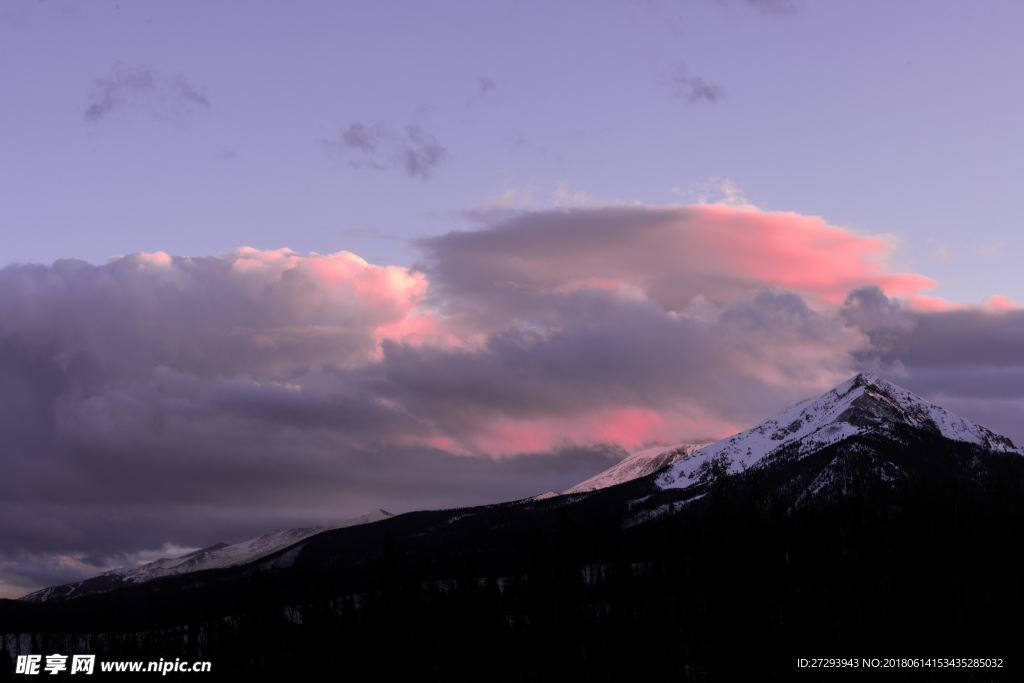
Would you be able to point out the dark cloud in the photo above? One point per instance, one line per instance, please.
(161, 400)
(950, 340)
(422, 153)
(548, 268)
(693, 89)
(671, 255)
(484, 86)
(970, 360)
(382, 146)
(610, 352)
(777, 7)
(140, 87)
(883, 319)
(359, 136)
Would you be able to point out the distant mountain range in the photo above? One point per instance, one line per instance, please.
(216, 556)
(637, 464)
(859, 520)
(865, 405)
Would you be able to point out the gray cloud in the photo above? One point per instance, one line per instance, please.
(484, 86)
(383, 146)
(140, 87)
(422, 153)
(693, 89)
(609, 353)
(544, 266)
(363, 138)
(777, 7)
(970, 360)
(160, 400)
(165, 400)
(674, 255)
(883, 319)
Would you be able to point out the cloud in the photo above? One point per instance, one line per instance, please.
(156, 395)
(691, 88)
(991, 249)
(142, 88)
(714, 191)
(670, 255)
(622, 364)
(969, 358)
(383, 146)
(158, 399)
(363, 138)
(484, 86)
(971, 336)
(781, 8)
(422, 153)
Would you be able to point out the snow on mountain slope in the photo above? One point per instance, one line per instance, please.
(215, 556)
(863, 404)
(637, 464)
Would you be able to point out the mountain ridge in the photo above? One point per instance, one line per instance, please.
(638, 464)
(899, 523)
(216, 556)
(860, 405)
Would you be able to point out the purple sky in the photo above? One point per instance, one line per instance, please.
(271, 267)
(883, 117)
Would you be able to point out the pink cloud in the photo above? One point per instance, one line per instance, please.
(669, 255)
(320, 381)
(579, 326)
(796, 252)
(932, 304)
(628, 427)
(997, 303)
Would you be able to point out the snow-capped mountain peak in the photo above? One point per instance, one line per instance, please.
(860, 405)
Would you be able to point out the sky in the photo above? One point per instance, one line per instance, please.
(266, 264)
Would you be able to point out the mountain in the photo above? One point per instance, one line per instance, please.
(637, 464)
(216, 556)
(865, 522)
(861, 407)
